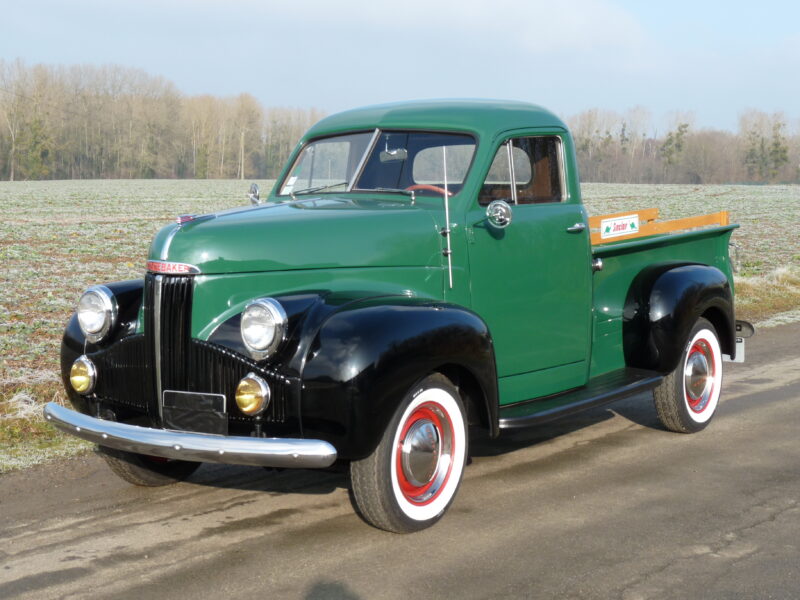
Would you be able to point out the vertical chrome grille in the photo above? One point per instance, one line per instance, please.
(175, 331)
(182, 364)
(158, 282)
(168, 320)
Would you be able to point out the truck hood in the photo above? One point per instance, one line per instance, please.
(314, 233)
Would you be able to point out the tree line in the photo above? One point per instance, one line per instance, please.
(89, 122)
(621, 148)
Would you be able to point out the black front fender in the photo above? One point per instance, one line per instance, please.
(365, 357)
(129, 299)
(663, 305)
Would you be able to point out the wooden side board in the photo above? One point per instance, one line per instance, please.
(649, 226)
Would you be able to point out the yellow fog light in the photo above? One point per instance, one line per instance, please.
(83, 375)
(252, 395)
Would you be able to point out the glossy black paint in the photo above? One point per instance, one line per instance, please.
(126, 372)
(662, 306)
(348, 360)
(296, 306)
(366, 355)
(74, 343)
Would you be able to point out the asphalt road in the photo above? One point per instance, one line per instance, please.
(603, 505)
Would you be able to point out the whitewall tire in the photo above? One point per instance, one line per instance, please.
(687, 398)
(411, 478)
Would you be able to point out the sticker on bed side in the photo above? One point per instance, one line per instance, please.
(619, 226)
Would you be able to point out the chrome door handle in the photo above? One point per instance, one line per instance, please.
(577, 228)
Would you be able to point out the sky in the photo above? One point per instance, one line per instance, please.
(705, 60)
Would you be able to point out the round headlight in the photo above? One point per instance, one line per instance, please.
(97, 312)
(252, 395)
(263, 327)
(83, 375)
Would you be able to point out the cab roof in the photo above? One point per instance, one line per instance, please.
(484, 118)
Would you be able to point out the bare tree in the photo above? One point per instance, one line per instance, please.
(112, 121)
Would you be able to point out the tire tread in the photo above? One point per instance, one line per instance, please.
(370, 488)
(668, 396)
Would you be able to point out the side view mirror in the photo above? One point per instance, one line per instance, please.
(499, 214)
(254, 194)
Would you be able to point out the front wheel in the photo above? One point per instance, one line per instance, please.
(411, 478)
(148, 471)
(687, 398)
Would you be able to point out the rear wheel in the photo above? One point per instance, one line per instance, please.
(149, 471)
(411, 478)
(687, 398)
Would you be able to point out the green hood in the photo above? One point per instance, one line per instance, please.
(306, 234)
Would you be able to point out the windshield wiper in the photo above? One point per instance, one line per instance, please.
(395, 190)
(318, 188)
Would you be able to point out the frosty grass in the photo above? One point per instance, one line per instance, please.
(59, 237)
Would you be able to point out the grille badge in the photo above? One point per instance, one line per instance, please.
(171, 268)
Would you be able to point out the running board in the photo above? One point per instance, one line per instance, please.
(600, 390)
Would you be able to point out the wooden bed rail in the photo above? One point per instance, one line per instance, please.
(631, 224)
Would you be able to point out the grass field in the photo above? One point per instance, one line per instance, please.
(58, 237)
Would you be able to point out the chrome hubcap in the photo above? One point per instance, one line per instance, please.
(696, 375)
(424, 454)
(699, 376)
(420, 452)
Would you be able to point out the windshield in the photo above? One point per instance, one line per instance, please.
(389, 161)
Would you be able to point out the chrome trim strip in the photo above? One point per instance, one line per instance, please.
(367, 153)
(157, 288)
(562, 175)
(198, 447)
(511, 172)
(168, 242)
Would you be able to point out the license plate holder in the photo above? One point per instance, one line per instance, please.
(194, 411)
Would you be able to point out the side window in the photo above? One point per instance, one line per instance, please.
(530, 175)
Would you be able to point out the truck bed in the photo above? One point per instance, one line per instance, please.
(626, 255)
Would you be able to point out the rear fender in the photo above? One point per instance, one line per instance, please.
(663, 304)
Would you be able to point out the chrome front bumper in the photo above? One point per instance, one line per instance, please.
(198, 447)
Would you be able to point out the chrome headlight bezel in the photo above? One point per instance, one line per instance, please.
(91, 374)
(264, 394)
(272, 310)
(108, 307)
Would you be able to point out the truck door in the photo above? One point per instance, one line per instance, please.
(531, 280)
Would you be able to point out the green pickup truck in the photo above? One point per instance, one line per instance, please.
(418, 271)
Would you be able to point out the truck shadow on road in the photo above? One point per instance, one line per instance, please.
(297, 481)
(638, 409)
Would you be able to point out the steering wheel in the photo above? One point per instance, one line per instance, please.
(430, 188)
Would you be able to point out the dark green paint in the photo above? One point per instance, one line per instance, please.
(532, 284)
